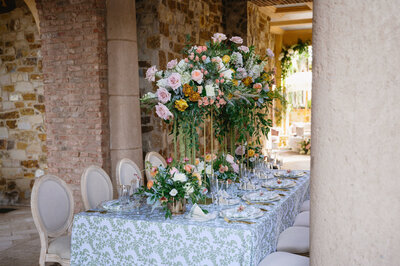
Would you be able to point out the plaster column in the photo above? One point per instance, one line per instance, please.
(123, 83)
(355, 195)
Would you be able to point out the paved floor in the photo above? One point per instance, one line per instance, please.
(19, 239)
(294, 160)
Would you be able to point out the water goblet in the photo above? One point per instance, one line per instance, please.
(124, 193)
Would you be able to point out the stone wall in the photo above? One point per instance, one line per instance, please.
(258, 31)
(162, 30)
(235, 18)
(74, 51)
(22, 132)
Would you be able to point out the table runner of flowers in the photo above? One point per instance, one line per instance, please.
(117, 238)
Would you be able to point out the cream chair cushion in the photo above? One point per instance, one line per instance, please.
(294, 240)
(284, 259)
(302, 219)
(61, 246)
(305, 206)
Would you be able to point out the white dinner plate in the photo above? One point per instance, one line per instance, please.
(274, 183)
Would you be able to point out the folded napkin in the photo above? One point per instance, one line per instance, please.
(197, 214)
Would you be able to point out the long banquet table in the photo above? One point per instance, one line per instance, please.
(145, 238)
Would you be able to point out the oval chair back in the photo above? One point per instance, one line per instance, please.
(128, 171)
(155, 159)
(96, 187)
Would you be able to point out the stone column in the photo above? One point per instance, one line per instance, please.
(123, 83)
(355, 198)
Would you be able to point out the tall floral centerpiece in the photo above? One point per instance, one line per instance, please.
(223, 89)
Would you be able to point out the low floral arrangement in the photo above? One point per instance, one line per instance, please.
(225, 167)
(305, 146)
(248, 154)
(178, 181)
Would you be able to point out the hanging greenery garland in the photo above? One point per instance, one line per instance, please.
(288, 54)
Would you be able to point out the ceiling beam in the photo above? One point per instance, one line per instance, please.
(292, 9)
(291, 22)
(277, 30)
(310, 5)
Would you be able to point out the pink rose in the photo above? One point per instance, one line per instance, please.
(151, 74)
(218, 37)
(230, 159)
(204, 48)
(169, 160)
(240, 150)
(221, 169)
(235, 168)
(163, 112)
(199, 50)
(257, 86)
(163, 95)
(244, 49)
(203, 57)
(197, 76)
(199, 89)
(174, 81)
(173, 171)
(222, 101)
(191, 56)
(171, 64)
(236, 39)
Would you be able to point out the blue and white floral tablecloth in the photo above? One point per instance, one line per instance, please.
(146, 238)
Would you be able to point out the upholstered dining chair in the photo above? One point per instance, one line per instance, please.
(155, 159)
(284, 259)
(96, 187)
(305, 206)
(52, 206)
(127, 171)
(302, 219)
(295, 240)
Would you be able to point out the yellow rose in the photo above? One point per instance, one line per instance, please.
(247, 81)
(197, 161)
(181, 105)
(235, 82)
(226, 58)
(251, 153)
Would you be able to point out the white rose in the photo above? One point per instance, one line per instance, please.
(290, 51)
(280, 57)
(200, 167)
(181, 67)
(228, 74)
(209, 170)
(188, 189)
(179, 177)
(173, 192)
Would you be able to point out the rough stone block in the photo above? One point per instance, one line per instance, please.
(3, 133)
(27, 111)
(9, 115)
(21, 145)
(11, 124)
(24, 126)
(9, 88)
(30, 164)
(17, 155)
(23, 86)
(29, 97)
